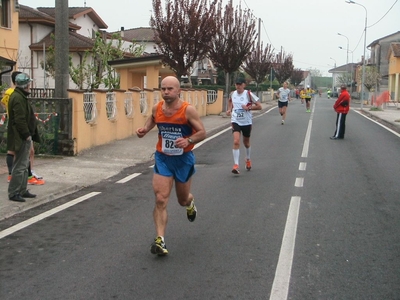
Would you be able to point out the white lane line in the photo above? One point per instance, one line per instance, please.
(211, 137)
(307, 140)
(280, 286)
(387, 128)
(229, 128)
(127, 178)
(299, 182)
(44, 215)
(302, 166)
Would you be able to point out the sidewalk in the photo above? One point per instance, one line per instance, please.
(388, 116)
(65, 175)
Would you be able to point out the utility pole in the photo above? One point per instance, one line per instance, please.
(61, 49)
(258, 48)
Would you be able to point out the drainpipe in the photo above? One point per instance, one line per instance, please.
(31, 33)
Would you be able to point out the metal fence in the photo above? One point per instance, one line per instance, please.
(54, 121)
(41, 93)
(111, 106)
(211, 96)
(90, 107)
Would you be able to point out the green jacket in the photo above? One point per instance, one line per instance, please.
(21, 120)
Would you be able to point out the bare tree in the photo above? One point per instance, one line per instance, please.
(316, 75)
(315, 72)
(233, 42)
(184, 33)
(297, 76)
(372, 77)
(283, 66)
(258, 63)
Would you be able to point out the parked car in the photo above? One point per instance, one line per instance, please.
(335, 94)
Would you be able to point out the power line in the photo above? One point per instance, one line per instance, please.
(267, 34)
(265, 30)
(383, 15)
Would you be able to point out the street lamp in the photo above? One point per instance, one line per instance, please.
(365, 46)
(347, 58)
(347, 52)
(352, 67)
(333, 77)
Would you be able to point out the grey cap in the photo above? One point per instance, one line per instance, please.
(240, 80)
(22, 80)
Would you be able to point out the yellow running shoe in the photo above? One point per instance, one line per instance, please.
(158, 247)
(191, 212)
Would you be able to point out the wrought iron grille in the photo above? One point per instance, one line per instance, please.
(111, 106)
(89, 107)
(211, 96)
(143, 102)
(129, 104)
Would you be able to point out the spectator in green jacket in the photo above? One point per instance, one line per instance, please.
(21, 131)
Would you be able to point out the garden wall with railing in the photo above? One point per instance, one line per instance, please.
(89, 119)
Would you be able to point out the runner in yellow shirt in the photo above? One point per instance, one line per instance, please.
(302, 95)
(309, 93)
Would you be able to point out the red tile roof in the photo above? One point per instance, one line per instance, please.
(77, 42)
(31, 15)
(141, 34)
(76, 12)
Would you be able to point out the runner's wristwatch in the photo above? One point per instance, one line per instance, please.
(190, 141)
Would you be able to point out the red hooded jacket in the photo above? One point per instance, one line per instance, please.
(342, 104)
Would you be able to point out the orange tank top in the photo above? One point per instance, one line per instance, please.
(171, 128)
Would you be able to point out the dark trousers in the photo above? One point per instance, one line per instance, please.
(19, 174)
(340, 125)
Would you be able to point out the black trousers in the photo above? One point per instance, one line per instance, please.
(340, 125)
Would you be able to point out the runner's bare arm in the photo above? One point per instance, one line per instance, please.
(256, 106)
(149, 125)
(194, 120)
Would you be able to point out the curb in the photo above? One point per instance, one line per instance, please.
(16, 209)
(374, 117)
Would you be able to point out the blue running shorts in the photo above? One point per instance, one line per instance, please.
(181, 167)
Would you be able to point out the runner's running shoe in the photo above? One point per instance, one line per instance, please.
(191, 212)
(283, 122)
(158, 247)
(235, 169)
(248, 164)
(8, 178)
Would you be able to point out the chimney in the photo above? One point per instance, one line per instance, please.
(122, 31)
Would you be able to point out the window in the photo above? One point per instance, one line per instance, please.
(5, 13)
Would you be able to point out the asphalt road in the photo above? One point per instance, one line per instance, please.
(313, 219)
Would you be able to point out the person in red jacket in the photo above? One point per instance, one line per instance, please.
(341, 106)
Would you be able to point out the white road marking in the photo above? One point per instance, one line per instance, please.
(307, 140)
(226, 129)
(44, 215)
(299, 182)
(212, 137)
(387, 128)
(280, 286)
(127, 178)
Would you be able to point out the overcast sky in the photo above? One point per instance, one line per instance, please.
(307, 29)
